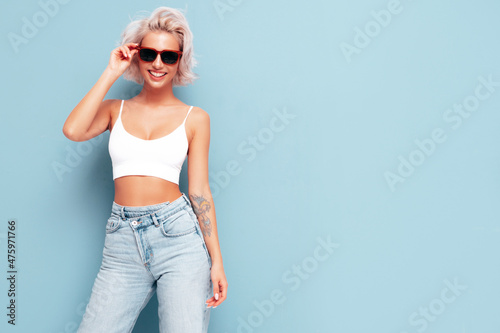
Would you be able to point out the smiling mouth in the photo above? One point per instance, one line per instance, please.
(157, 74)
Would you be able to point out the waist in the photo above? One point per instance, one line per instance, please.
(144, 191)
(160, 210)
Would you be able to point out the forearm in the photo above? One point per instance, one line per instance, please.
(203, 206)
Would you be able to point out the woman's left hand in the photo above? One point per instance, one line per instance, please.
(219, 283)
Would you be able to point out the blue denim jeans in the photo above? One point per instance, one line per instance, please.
(146, 249)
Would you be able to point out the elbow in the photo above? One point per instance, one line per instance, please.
(70, 134)
(67, 133)
(200, 189)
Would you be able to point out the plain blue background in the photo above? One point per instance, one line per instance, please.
(354, 117)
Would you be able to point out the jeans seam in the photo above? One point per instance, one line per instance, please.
(116, 225)
(184, 233)
(141, 308)
(187, 232)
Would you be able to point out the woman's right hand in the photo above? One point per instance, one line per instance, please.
(121, 58)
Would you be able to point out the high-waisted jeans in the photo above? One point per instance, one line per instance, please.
(146, 249)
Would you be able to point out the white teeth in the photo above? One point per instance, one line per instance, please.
(157, 74)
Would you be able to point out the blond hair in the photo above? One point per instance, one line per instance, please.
(162, 19)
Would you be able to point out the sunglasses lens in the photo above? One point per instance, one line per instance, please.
(169, 57)
(147, 55)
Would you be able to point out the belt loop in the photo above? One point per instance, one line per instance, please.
(155, 220)
(186, 198)
(123, 212)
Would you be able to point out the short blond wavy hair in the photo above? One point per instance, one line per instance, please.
(162, 19)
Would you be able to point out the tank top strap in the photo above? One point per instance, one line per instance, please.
(187, 115)
(121, 108)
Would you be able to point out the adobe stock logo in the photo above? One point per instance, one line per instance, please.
(293, 277)
(31, 26)
(98, 301)
(455, 116)
(363, 37)
(249, 148)
(223, 6)
(74, 157)
(425, 315)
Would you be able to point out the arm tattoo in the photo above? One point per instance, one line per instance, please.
(201, 207)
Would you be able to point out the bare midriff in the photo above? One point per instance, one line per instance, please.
(144, 191)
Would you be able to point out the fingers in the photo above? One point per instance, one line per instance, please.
(223, 292)
(216, 293)
(210, 302)
(220, 294)
(125, 52)
(132, 46)
(128, 50)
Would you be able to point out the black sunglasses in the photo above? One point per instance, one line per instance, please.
(169, 57)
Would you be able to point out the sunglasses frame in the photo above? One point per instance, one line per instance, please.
(139, 48)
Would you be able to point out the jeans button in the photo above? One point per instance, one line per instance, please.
(134, 222)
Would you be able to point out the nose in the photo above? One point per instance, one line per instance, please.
(157, 64)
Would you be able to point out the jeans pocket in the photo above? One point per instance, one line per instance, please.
(113, 224)
(178, 224)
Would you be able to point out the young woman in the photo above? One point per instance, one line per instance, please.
(157, 239)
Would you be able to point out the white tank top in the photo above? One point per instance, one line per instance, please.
(162, 157)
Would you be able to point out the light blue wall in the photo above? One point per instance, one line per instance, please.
(378, 136)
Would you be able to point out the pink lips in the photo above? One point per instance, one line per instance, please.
(156, 77)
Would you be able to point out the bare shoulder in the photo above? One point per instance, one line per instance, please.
(110, 108)
(199, 115)
(198, 118)
(110, 105)
(198, 122)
